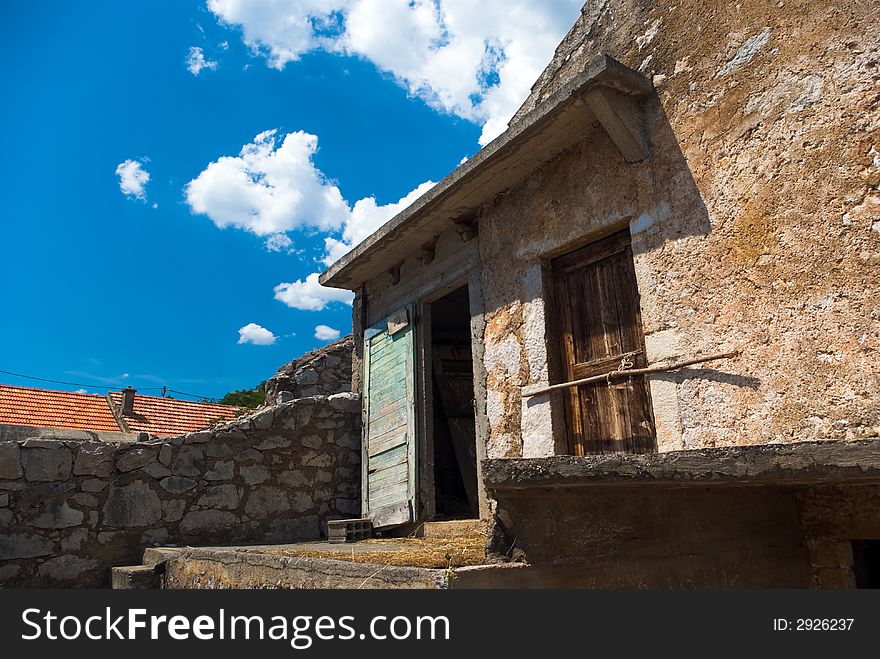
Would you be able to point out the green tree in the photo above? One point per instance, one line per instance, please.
(246, 398)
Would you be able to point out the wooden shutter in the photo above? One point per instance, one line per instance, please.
(389, 421)
(597, 307)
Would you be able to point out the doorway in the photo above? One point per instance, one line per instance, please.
(596, 303)
(453, 424)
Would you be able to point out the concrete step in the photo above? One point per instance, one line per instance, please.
(135, 577)
(453, 529)
(157, 555)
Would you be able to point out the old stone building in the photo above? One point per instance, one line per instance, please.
(637, 335)
(686, 180)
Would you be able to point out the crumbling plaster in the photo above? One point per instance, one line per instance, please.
(755, 223)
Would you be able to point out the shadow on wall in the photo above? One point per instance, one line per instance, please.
(712, 375)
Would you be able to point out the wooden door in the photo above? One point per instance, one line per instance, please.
(388, 483)
(600, 330)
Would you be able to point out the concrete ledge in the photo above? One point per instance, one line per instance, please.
(802, 463)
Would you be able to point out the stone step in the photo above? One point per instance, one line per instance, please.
(453, 529)
(157, 555)
(135, 577)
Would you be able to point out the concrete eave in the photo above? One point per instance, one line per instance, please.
(799, 464)
(606, 91)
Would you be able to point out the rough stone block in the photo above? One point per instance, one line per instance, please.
(10, 460)
(294, 479)
(129, 459)
(302, 502)
(265, 502)
(47, 464)
(190, 461)
(222, 471)
(306, 376)
(138, 577)
(4, 500)
(177, 484)
(66, 568)
(24, 545)
(224, 497)
(219, 449)
(94, 460)
(312, 459)
(311, 441)
(166, 453)
(347, 402)
(201, 437)
(58, 516)
(157, 470)
(132, 505)
(263, 420)
(173, 510)
(93, 485)
(254, 474)
(276, 441)
(207, 521)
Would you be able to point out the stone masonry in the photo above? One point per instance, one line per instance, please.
(69, 510)
(322, 372)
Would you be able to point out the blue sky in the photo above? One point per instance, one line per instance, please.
(110, 280)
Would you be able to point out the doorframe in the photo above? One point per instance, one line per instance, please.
(553, 327)
(425, 490)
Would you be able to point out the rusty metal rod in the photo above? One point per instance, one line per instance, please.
(656, 368)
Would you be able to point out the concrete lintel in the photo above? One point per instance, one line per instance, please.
(620, 115)
(800, 464)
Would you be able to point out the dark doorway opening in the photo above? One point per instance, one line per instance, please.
(866, 563)
(454, 426)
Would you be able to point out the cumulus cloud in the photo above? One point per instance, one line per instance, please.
(365, 218)
(476, 60)
(325, 333)
(309, 295)
(133, 179)
(258, 336)
(279, 242)
(196, 61)
(271, 187)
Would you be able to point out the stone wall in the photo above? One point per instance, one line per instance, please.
(69, 510)
(755, 223)
(324, 372)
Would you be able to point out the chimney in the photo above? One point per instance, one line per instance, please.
(128, 401)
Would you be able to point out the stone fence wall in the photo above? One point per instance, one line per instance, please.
(319, 373)
(70, 510)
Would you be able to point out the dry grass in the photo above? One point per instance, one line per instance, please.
(408, 552)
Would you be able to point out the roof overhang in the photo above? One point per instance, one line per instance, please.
(606, 91)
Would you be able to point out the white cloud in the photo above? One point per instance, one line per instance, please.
(271, 187)
(325, 333)
(477, 60)
(279, 242)
(81, 391)
(196, 61)
(309, 295)
(258, 336)
(365, 218)
(133, 179)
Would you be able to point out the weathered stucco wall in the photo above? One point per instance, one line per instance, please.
(322, 372)
(755, 222)
(69, 510)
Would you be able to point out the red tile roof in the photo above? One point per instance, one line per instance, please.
(169, 416)
(44, 408)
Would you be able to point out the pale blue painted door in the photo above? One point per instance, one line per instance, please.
(389, 458)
